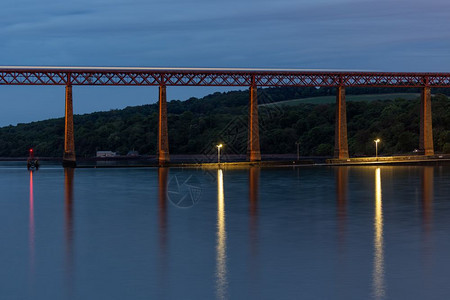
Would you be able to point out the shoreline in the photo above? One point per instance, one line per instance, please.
(186, 161)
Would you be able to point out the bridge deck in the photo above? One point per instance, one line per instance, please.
(124, 76)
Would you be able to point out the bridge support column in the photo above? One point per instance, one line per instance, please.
(69, 159)
(340, 137)
(426, 129)
(253, 152)
(163, 135)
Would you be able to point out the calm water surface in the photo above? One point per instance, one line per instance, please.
(303, 233)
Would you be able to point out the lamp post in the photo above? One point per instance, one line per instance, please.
(376, 147)
(218, 152)
(298, 150)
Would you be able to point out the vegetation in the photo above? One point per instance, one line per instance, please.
(332, 98)
(196, 125)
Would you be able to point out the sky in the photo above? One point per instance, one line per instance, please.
(394, 35)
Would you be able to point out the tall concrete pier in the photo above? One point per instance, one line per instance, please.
(340, 137)
(253, 153)
(163, 135)
(426, 128)
(69, 159)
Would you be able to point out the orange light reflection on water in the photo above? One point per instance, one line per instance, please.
(69, 174)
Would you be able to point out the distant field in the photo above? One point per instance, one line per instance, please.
(332, 99)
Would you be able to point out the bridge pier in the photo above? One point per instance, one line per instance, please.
(69, 159)
(253, 152)
(340, 137)
(163, 135)
(426, 128)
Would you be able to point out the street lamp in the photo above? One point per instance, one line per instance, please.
(376, 147)
(298, 150)
(218, 152)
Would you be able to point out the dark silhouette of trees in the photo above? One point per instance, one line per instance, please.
(196, 124)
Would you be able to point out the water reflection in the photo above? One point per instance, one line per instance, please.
(427, 197)
(162, 264)
(299, 260)
(253, 195)
(221, 246)
(68, 207)
(427, 184)
(31, 228)
(253, 182)
(341, 201)
(163, 174)
(378, 268)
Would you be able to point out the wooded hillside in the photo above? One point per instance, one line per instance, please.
(196, 125)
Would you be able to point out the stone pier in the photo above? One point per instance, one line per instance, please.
(340, 138)
(426, 128)
(253, 152)
(163, 135)
(69, 159)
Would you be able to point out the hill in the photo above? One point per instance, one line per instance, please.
(196, 125)
(348, 98)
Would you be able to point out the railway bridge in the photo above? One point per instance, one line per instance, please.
(251, 78)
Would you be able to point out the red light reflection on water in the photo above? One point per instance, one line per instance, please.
(31, 225)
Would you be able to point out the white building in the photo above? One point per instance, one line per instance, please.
(106, 154)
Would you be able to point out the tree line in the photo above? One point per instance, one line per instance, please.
(196, 125)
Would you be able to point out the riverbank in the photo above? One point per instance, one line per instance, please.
(239, 161)
(391, 160)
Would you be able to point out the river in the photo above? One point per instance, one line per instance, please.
(272, 233)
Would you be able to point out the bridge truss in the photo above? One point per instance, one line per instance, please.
(215, 77)
(252, 78)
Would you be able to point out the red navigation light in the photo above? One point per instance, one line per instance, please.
(31, 150)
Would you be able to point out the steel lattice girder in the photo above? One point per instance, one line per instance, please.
(210, 77)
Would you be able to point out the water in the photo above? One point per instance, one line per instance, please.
(303, 233)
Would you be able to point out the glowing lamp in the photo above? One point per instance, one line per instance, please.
(376, 147)
(218, 152)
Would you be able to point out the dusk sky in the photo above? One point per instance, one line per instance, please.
(400, 35)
